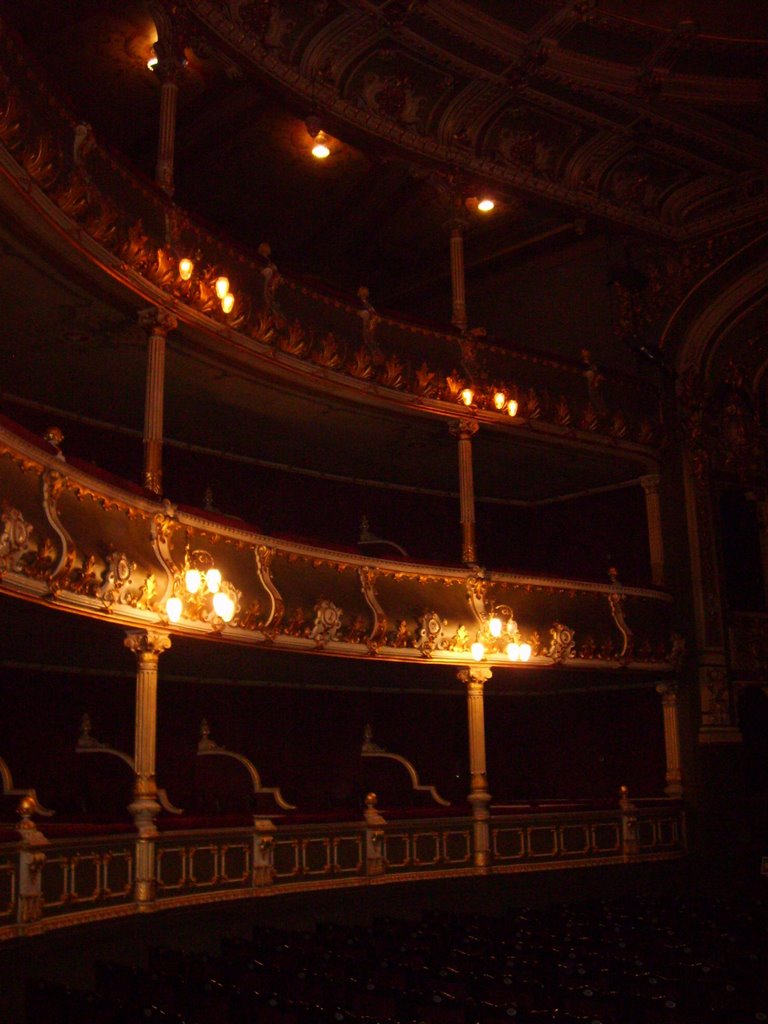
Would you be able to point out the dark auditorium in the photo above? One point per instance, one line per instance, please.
(384, 512)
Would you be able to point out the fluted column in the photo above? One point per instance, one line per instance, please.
(674, 774)
(475, 678)
(156, 323)
(147, 645)
(169, 68)
(458, 287)
(464, 431)
(650, 485)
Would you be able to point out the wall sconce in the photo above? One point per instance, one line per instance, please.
(199, 592)
(500, 635)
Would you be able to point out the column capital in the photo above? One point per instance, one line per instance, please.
(650, 483)
(157, 320)
(668, 692)
(146, 641)
(463, 429)
(476, 675)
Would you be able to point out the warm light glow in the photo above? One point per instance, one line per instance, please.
(499, 400)
(525, 652)
(173, 609)
(512, 407)
(192, 580)
(228, 302)
(485, 205)
(186, 266)
(467, 395)
(222, 286)
(495, 626)
(478, 650)
(321, 150)
(513, 651)
(223, 605)
(152, 62)
(213, 580)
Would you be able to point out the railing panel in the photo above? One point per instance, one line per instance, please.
(85, 876)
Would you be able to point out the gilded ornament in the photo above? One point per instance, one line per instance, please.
(327, 622)
(561, 646)
(15, 540)
(163, 269)
(393, 373)
(327, 354)
(425, 381)
(73, 197)
(295, 342)
(361, 365)
(42, 161)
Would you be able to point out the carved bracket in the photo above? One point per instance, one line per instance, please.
(207, 747)
(371, 749)
(88, 744)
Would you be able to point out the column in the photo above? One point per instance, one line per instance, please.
(156, 323)
(674, 774)
(475, 678)
(464, 431)
(169, 50)
(458, 293)
(147, 645)
(650, 485)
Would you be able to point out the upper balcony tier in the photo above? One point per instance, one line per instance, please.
(100, 219)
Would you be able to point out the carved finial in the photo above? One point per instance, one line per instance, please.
(369, 747)
(205, 742)
(624, 802)
(26, 808)
(370, 798)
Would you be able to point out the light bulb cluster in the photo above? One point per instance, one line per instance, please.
(200, 592)
(497, 398)
(500, 634)
(186, 268)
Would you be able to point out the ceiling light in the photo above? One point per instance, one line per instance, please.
(222, 286)
(228, 302)
(153, 62)
(485, 205)
(499, 400)
(512, 407)
(186, 268)
(478, 650)
(467, 395)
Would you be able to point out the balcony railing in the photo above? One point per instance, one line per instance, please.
(50, 884)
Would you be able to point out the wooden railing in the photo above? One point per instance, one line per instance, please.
(50, 884)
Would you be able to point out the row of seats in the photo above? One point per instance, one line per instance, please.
(634, 961)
